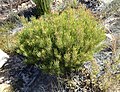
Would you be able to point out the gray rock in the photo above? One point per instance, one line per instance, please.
(1, 79)
(110, 13)
(106, 1)
(3, 58)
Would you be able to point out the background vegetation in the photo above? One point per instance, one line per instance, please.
(43, 6)
(7, 40)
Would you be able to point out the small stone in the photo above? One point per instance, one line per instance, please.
(6, 88)
(1, 79)
(107, 1)
(8, 81)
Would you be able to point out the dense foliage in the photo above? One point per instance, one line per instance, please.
(59, 44)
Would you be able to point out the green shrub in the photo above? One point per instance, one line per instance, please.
(59, 44)
(43, 6)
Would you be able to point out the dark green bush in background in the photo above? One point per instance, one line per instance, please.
(43, 6)
(59, 44)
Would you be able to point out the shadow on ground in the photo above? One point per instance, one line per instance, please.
(26, 78)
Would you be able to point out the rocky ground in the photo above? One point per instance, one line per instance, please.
(111, 21)
(16, 75)
(8, 7)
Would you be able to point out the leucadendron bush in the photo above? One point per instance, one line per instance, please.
(60, 44)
